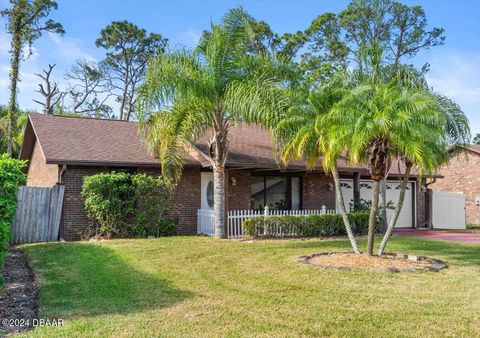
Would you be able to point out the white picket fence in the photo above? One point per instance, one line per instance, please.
(235, 218)
(205, 222)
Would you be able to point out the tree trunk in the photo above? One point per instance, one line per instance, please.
(12, 104)
(219, 200)
(396, 212)
(343, 211)
(372, 220)
(383, 194)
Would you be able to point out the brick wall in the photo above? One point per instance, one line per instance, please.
(239, 194)
(41, 174)
(316, 191)
(186, 201)
(421, 207)
(74, 220)
(462, 174)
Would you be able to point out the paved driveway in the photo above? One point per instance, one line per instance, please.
(465, 237)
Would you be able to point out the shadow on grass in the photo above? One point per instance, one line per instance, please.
(91, 279)
(451, 252)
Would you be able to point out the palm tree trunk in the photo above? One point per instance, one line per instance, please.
(383, 194)
(219, 200)
(396, 212)
(343, 211)
(372, 220)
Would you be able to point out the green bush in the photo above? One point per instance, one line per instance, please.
(152, 197)
(11, 176)
(304, 226)
(120, 204)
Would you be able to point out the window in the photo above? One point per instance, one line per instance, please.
(345, 185)
(209, 193)
(365, 186)
(278, 192)
(399, 186)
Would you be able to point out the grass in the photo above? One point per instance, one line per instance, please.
(198, 286)
(473, 226)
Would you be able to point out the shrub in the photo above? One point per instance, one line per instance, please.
(11, 176)
(119, 204)
(304, 226)
(152, 196)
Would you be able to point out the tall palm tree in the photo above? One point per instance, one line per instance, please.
(303, 133)
(456, 131)
(385, 120)
(208, 90)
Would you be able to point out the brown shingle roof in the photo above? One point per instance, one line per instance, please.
(251, 147)
(87, 141)
(72, 140)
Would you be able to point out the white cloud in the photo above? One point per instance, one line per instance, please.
(456, 74)
(69, 48)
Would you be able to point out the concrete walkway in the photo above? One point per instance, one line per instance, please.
(445, 235)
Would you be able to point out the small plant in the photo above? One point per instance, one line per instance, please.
(304, 226)
(120, 204)
(11, 177)
(365, 206)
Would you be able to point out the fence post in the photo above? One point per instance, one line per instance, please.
(324, 209)
(266, 212)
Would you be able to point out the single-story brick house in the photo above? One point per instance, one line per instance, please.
(462, 174)
(63, 150)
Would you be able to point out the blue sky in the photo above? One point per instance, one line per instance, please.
(455, 67)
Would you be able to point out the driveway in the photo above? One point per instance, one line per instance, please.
(444, 235)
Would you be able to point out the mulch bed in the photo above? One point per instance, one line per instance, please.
(390, 262)
(19, 295)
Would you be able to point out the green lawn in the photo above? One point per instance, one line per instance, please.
(198, 286)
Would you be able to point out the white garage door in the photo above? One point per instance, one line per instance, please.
(405, 220)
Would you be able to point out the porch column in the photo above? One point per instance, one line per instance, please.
(356, 190)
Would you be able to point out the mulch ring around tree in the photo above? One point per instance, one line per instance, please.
(390, 262)
(19, 295)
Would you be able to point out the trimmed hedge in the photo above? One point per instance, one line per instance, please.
(11, 177)
(119, 204)
(304, 226)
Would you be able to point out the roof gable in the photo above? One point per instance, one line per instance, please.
(88, 141)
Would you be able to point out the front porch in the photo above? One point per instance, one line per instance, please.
(261, 193)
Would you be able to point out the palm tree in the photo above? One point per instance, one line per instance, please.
(456, 131)
(385, 120)
(303, 133)
(210, 89)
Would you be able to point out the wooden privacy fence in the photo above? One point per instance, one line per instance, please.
(38, 214)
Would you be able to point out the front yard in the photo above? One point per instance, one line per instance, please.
(198, 286)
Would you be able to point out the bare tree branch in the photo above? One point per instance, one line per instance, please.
(50, 91)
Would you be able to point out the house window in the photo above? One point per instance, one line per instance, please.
(209, 193)
(278, 192)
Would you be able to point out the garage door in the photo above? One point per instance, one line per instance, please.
(405, 220)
